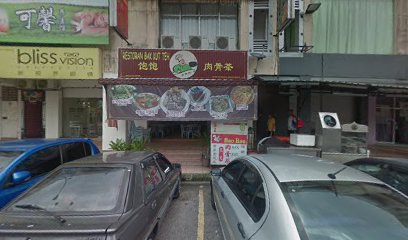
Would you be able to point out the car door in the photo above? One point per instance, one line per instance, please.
(241, 200)
(153, 182)
(170, 175)
(38, 164)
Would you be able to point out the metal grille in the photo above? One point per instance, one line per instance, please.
(9, 94)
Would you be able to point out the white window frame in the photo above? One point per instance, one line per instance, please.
(255, 48)
(299, 15)
(180, 16)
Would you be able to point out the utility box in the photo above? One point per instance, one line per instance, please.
(328, 132)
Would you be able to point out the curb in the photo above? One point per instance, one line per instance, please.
(196, 177)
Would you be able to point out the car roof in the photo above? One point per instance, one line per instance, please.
(27, 144)
(109, 158)
(400, 162)
(294, 167)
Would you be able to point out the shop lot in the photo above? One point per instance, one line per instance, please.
(191, 216)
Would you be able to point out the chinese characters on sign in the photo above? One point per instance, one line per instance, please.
(45, 18)
(228, 141)
(62, 21)
(202, 64)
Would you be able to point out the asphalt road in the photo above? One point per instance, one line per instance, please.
(190, 218)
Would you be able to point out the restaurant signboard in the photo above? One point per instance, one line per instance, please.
(182, 64)
(229, 140)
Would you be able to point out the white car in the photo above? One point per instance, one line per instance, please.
(289, 197)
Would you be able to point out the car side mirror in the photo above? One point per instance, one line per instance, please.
(216, 172)
(21, 176)
(176, 165)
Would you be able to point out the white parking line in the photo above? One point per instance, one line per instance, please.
(200, 223)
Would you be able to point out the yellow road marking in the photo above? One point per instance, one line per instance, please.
(200, 224)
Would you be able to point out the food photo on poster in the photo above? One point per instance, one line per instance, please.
(181, 102)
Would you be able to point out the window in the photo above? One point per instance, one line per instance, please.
(164, 165)
(73, 151)
(41, 162)
(251, 193)
(261, 30)
(151, 177)
(232, 172)
(80, 189)
(247, 185)
(357, 206)
(354, 27)
(208, 21)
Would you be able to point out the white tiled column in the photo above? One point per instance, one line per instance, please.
(53, 114)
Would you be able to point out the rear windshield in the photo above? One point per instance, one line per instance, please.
(6, 157)
(347, 211)
(79, 189)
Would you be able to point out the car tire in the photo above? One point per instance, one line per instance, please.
(176, 193)
(212, 198)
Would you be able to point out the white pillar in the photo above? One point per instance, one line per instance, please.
(53, 114)
(111, 133)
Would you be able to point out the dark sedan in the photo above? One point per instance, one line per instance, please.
(119, 195)
(392, 171)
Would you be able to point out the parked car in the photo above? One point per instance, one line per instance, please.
(289, 197)
(389, 170)
(24, 162)
(113, 195)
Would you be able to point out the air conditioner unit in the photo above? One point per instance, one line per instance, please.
(225, 43)
(198, 42)
(170, 42)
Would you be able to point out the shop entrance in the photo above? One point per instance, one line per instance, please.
(33, 126)
(179, 129)
(392, 120)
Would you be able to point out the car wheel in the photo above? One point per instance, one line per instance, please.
(178, 189)
(212, 198)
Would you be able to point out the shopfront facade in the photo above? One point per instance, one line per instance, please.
(171, 92)
(366, 89)
(47, 90)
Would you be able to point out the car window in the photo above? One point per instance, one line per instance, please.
(337, 210)
(41, 162)
(6, 157)
(73, 151)
(164, 165)
(251, 193)
(151, 177)
(398, 179)
(88, 149)
(79, 189)
(232, 171)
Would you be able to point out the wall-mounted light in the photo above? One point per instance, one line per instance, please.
(312, 7)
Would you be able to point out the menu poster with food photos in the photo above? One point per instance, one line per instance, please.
(229, 140)
(182, 103)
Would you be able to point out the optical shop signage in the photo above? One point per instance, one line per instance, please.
(199, 64)
(54, 21)
(181, 102)
(50, 63)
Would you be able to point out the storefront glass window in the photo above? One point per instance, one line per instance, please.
(392, 120)
(82, 117)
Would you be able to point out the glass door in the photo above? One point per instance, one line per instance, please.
(392, 120)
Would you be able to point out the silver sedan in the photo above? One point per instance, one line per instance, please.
(298, 197)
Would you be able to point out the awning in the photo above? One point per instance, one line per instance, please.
(306, 80)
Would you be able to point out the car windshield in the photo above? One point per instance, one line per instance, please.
(78, 189)
(326, 210)
(6, 157)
